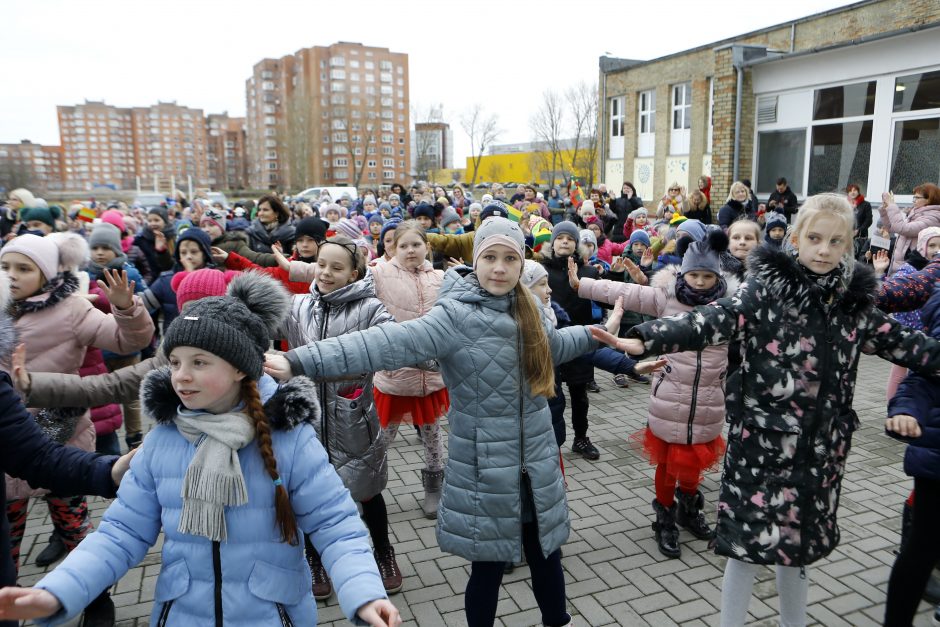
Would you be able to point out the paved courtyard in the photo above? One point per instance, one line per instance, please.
(615, 575)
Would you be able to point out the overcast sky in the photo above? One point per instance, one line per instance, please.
(199, 53)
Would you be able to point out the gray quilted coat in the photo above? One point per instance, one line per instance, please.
(348, 427)
(499, 432)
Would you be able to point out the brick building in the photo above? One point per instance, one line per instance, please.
(34, 166)
(98, 145)
(432, 148)
(847, 95)
(226, 151)
(335, 115)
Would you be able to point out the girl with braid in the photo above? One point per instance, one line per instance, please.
(234, 484)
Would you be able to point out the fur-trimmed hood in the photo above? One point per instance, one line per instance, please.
(666, 277)
(780, 272)
(294, 403)
(53, 293)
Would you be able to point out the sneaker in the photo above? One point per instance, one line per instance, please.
(100, 612)
(585, 448)
(53, 552)
(321, 586)
(508, 567)
(592, 386)
(621, 381)
(636, 377)
(388, 568)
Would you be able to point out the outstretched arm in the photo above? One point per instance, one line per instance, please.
(901, 345)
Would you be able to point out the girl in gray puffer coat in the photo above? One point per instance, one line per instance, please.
(342, 300)
(503, 491)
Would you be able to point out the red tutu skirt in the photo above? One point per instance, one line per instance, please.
(420, 410)
(687, 462)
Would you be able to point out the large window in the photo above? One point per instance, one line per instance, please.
(646, 139)
(839, 155)
(680, 134)
(917, 92)
(616, 128)
(780, 153)
(915, 154)
(844, 101)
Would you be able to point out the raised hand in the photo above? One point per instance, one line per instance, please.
(380, 613)
(118, 290)
(881, 261)
(649, 367)
(617, 265)
(20, 374)
(219, 256)
(159, 241)
(27, 603)
(628, 346)
(647, 259)
(887, 198)
(573, 280)
(635, 273)
(278, 251)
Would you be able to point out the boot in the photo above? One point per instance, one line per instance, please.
(100, 612)
(432, 482)
(691, 516)
(321, 586)
(53, 552)
(667, 534)
(388, 569)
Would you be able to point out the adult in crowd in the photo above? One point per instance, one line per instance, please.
(862, 216)
(737, 206)
(272, 224)
(699, 209)
(924, 213)
(556, 205)
(783, 200)
(628, 201)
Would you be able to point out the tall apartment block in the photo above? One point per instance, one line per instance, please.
(226, 151)
(30, 165)
(98, 145)
(170, 143)
(335, 115)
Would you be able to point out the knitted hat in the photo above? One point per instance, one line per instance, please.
(213, 216)
(42, 214)
(397, 212)
(774, 220)
(42, 251)
(475, 206)
(924, 237)
(705, 255)
(694, 228)
(377, 219)
(495, 208)
(106, 234)
(394, 197)
(638, 212)
(586, 209)
(200, 237)
(160, 211)
(677, 219)
(449, 216)
(340, 209)
(390, 225)
(200, 284)
(586, 236)
(115, 217)
(368, 200)
(237, 327)
(485, 199)
(349, 228)
(566, 227)
(495, 231)
(384, 206)
(641, 237)
(541, 232)
(311, 227)
(532, 271)
(424, 209)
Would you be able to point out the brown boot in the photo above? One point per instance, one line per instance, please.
(388, 568)
(322, 586)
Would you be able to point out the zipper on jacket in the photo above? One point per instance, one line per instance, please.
(522, 465)
(217, 572)
(662, 377)
(694, 402)
(283, 615)
(323, 405)
(165, 613)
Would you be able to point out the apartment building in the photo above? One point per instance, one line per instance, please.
(432, 148)
(170, 143)
(97, 142)
(34, 166)
(226, 151)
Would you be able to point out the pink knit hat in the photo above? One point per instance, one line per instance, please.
(200, 284)
(115, 217)
(924, 237)
(349, 228)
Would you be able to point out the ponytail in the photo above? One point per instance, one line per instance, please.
(284, 513)
(536, 353)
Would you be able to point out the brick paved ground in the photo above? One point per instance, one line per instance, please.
(614, 573)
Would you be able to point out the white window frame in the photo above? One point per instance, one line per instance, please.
(680, 120)
(617, 119)
(646, 117)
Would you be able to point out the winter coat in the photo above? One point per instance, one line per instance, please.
(235, 261)
(907, 228)
(687, 397)
(348, 427)
(237, 242)
(57, 327)
(731, 211)
(261, 238)
(256, 577)
(107, 418)
(622, 208)
(787, 204)
(911, 291)
(456, 246)
(919, 397)
(606, 249)
(862, 217)
(562, 293)
(407, 295)
(911, 318)
(703, 215)
(157, 262)
(161, 299)
(789, 404)
(499, 432)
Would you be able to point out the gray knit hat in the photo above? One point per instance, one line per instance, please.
(568, 228)
(449, 216)
(236, 327)
(106, 234)
(532, 271)
(705, 255)
(494, 231)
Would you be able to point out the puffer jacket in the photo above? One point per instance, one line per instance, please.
(789, 403)
(907, 228)
(499, 432)
(254, 576)
(408, 295)
(237, 242)
(57, 327)
(687, 397)
(261, 239)
(911, 318)
(348, 427)
(909, 292)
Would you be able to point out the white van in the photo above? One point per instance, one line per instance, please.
(313, 193)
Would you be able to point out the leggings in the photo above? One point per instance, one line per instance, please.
(548, 584)
(738, 582)
(665, 483)
(918, 556)
(432, 437)
(69, 515)
(579, 408)
(375, 516)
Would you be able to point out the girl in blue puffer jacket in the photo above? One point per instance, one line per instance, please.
(231, 482)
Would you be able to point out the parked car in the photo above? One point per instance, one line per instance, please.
(482, 186)
(148, 200)
(313, 193)
(218, 197)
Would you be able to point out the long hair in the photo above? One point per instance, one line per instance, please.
(283, 512)
(536, 352)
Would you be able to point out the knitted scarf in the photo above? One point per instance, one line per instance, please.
(214, 478)
(687, 295)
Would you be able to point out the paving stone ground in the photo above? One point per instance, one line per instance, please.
(614, 574)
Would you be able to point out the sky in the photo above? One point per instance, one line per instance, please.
(200, 52)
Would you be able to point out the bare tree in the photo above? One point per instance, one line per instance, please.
(482, 129)
(582, 103)
(14, 175)
(357, 138)
(547, 125)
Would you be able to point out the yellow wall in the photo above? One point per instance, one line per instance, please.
(519, 167)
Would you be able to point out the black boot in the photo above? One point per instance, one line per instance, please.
(667, 534)
(53, 552)
(691, 516)
(100, 612)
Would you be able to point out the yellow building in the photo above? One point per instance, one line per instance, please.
(519, 163)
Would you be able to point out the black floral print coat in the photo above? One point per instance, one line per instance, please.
(789, 403)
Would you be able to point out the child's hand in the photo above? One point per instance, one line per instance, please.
(159, 241)
(613, 321)
(887, 198)
(219, 256)
(573, 274)
(647, 259)
(27, 603)
(904, 425)
(380, 613)
(635, 273)
(618, 265)
(115, 286)
(881, 261)
(453, 263)
(278, 252)
(649, 367)
(122, 465)
(20, 373)
(630, 346)
(277, 366)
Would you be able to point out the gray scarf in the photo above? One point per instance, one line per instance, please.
(214, 478)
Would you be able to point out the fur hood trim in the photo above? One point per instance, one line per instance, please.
(294, 403)
(666, 277)
(58, 289)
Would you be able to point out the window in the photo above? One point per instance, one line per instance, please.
(388, 174)
(385, 77)
(646, 141)
(337, 86)
(680, 134)
(372, 176)
(780, 153)
(337, 61)
(369, 65)
(915, 154)
(266, 85)
(340, 162)
(385, 65)
(386, 138)
(916, 92)
(388, 163)
(354, 63)
(844, 101)
(616, 128)
(269, 120)
(840, 154)
(338, 74)
(371, 163)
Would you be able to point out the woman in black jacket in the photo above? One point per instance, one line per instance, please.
(271, 224)
(628, 201)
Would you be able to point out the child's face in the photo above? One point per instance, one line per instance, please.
(394, 202)
(777, 233)
(306, 247)
(102, 255)
(933, 246)
(564, 245)
(411, 250)
(38, 225)
(587, 250)
(389, 242)
(701, 279)
(212, 230)
(424, 222)
(155, 222)
(375, 228)
(594, 228)
(638, 248)
(203, 380)
(25, 278)
(453, 227)
(191, 257)
(332, 216)
(334, 269)
(542, 291)
(741, 241)
(640, 220)
(821, 244)
(498, 269)
(475, 213)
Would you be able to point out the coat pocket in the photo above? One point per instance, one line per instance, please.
(764, 445)
(284, 587)
(172, 583)
(353, 425)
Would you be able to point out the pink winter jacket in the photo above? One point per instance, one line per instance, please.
(56, 338)
(687, 397)
(607, 250)
(907, 228)
(407, 295)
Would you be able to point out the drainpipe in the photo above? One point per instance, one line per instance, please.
(602, 175)
(737, 60)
